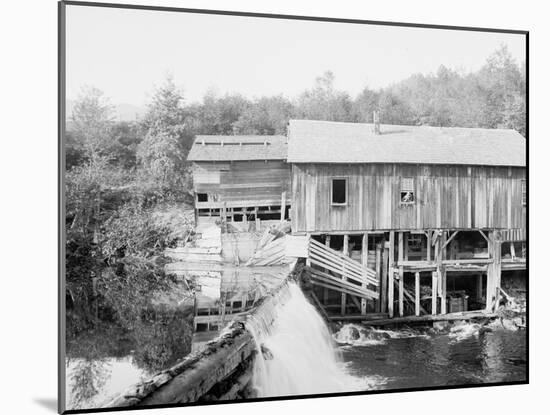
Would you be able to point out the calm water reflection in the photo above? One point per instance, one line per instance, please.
(102, 363)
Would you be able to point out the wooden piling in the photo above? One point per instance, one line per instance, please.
(385, 276)
(434, 293)
(283, 206)
(400, 248)
(417, 294)
(379, 276)
(364, 262)
(344, 295)
(391, 262)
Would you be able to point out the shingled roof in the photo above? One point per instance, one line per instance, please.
(339, 142)
(238, 147)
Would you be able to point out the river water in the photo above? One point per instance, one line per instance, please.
(299, 354)
(461, 355)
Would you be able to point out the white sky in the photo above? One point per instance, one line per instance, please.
(126, 52)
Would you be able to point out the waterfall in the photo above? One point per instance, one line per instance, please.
(297, 354)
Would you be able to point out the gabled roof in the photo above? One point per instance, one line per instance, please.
(238, 147)
(339, 142)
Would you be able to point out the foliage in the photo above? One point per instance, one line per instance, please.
(265, 116)
(323, 102)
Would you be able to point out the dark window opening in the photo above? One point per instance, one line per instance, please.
(201, 327)
(339, 191)
(202, 197)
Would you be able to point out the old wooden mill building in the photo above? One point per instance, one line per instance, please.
(403, 220)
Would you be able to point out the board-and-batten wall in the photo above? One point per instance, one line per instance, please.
(241, 182)
(447, 197)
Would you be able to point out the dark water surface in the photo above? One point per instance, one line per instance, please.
(441, 359)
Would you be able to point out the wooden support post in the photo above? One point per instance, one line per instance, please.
(390, 291)
(344, 295)
(512, 250)
(384, 285)
(429, 247)
(417, 294)
(377, 265)
(490, 291)
(283, 206)
(497, 246)
(479, 287)
(258, 224)
(400, 246)
(406, 246)
(325, 289)
(442, 272)
(364, 262)
(391, 263)
(443, 290)
(434, 293)
(365, 249)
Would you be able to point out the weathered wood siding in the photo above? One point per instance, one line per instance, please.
(447, 197)
(238, 182)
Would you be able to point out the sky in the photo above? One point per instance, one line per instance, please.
(126, 53)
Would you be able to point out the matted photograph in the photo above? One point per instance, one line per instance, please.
(259, 207)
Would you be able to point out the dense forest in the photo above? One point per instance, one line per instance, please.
(127, 183)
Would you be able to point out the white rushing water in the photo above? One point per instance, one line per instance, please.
(299, 355)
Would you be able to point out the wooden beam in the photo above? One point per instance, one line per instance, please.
(365, 249)
(283, 206)
(429, 246)
(364, 261)
(391, 262)
(384, 285)
(344, 295)
(484, 236)
(479, 287)
(449, 240)
(443, 290)
(417, 294)
(434, 293)
(378, 258)
(400, 246)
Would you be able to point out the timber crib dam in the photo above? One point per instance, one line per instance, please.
(219, 372)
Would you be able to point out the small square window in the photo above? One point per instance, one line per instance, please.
(202, 197)
(524, 192)
(406, 195)
(339, 191)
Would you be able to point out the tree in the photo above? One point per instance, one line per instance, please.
(323, 102)
(217, 115)
(167, 139)
(91, 121)
(502, 85)
(265, 116)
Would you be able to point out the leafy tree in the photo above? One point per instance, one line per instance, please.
(217, 114)
(265, 116)
(167, 138)
(323, 102)
(91, 121)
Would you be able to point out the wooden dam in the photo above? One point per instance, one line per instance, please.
(381, 224)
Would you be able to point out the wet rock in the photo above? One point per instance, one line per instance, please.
(484, 330)
(441, 325)
(266, 353)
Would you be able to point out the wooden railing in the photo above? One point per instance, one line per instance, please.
(338, 270)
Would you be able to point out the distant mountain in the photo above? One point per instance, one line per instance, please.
(123, 112)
